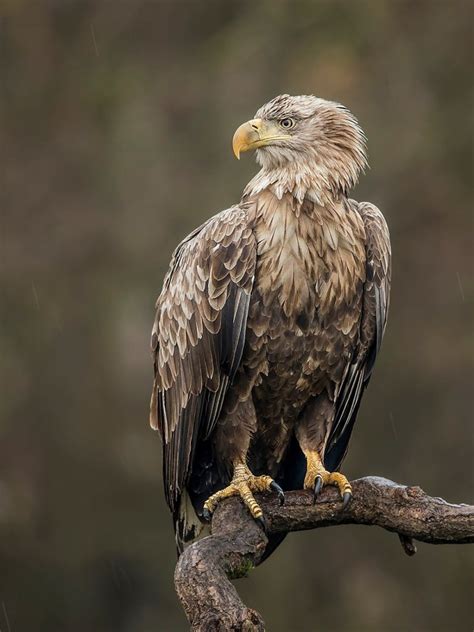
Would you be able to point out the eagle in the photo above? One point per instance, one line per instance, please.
(269, 322)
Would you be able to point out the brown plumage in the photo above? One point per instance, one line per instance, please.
(270, 319)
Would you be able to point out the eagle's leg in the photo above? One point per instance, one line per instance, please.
(312, 432)
(317, 476)
(232, 442)
(244, 484)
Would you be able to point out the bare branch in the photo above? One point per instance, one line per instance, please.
(237, 543)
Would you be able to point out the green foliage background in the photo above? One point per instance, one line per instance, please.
(115, 128)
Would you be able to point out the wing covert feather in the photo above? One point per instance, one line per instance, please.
(198, 337)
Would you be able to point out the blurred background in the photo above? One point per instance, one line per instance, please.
(115, 128)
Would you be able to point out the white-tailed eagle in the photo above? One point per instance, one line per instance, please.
(270, 319)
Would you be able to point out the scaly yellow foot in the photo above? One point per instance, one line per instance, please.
(243, 483)
(317, 476)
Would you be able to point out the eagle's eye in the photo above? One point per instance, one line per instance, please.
(287, 123)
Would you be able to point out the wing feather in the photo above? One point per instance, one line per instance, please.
(374, 319)
(198, 337)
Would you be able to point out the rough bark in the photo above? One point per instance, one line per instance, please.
(237, 543)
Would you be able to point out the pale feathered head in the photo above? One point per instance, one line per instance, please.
(305, 143)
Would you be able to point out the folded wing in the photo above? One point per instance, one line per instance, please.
(198, 337)
(374, 318)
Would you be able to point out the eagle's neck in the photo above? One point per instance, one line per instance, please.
(323, 179)
(300, 184)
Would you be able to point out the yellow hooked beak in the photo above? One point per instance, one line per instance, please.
(256, 133)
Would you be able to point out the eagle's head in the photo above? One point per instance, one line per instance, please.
(304, 144)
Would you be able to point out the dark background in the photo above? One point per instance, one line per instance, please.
(115, 128)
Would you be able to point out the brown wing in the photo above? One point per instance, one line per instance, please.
(374, 318)
(198, 337)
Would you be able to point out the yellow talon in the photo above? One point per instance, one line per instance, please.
(243, 484)
(317, 476)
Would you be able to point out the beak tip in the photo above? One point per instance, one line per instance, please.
(236, 150)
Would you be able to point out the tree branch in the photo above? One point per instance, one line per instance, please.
(237, 543)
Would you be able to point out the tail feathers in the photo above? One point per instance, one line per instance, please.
(187, 525)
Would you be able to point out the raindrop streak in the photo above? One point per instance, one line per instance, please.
(35, 294)
(390, 414)
(94, 40)
(6, 617)
(460, 287)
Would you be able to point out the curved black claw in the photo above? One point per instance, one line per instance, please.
(278, 490)
(346, 499)
(318, 485)
(206, 514)
(261, 522)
